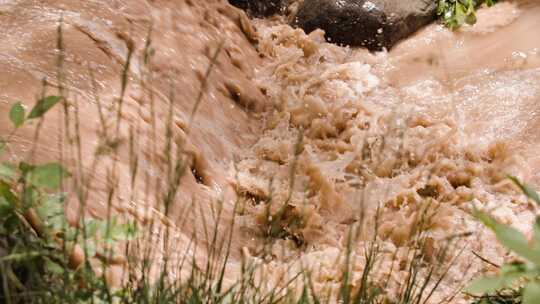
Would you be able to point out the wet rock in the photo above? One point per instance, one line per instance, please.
(259, 8)
(369, 23)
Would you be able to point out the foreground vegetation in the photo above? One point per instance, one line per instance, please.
(46, 260)
(518, 281)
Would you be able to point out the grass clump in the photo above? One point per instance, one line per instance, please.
(43, 259)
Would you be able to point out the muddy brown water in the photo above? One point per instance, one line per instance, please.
(489, 71)
(451, 112)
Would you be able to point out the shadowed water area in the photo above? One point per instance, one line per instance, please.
(444, 116)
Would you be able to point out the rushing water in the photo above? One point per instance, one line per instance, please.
(488, 76)
(452, 112)
(442, 117)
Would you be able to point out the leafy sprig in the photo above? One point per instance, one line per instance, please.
(521, 277)
(37, 245)
(455, 13)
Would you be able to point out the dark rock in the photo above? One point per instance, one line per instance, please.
(369, 23)
(259, 8)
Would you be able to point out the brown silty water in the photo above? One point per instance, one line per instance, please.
(443, 117)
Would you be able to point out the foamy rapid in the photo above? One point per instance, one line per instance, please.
(375, 144)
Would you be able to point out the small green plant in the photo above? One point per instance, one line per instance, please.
(455, 13)
(40, 253)
(519, 280)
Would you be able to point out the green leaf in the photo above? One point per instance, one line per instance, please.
(125, 232)
(471, 18)
(460, 14)
(119, 232)
(53, 267)
(512, 272)
(6, 208)
(12, 223)
(510, 238)
(101, 227)
(48, 176)
(91, 227)
(441, 7)
(25, 167)
(5, 192)
(52, 212)
(531, 293)
(90, 247)
(512, 268)
(7, 171)
(43, 105)
(485, 285)
(536, 230)
(527, 190)
(69, 234)
(30, 197)
(18, 257)
(16, 114)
